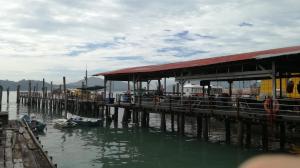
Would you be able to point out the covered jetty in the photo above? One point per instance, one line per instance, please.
(275, 111)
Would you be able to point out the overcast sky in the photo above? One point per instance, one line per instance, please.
(55, 38)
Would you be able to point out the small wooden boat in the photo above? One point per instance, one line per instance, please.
(64, 123)
(35, 125)
(89, 122)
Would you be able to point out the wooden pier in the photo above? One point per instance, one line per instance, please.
(241, 112)
(273, 118)
(19, 147)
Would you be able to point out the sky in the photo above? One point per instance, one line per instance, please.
(55, 38)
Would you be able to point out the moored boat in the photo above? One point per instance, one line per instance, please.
(64, 123)
(80, 121)
(35, 125)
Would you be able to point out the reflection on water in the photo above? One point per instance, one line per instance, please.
(130, 147)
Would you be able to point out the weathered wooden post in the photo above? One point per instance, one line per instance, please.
(29, 93)
(182, 114)
(7, 95)
(43, 94)
(163, 121)
(248, 135)
(1, 90)
(265, 136)
(282, 135)
(172, 113)
(65, 96)
(46, 98)
(199, 127)
(18, 94)
(205, 131)
(165, 86)
(230, 87)
(228, 131)
(116, 114)
(134, 100)
(104, 98)
(240, 133)
(51, 93)
(240, 125)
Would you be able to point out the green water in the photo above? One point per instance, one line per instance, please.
(131, 147)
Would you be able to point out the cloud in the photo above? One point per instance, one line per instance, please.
(245, 24)
(181, 51)
(51, 39)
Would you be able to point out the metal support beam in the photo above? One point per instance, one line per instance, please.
(273, 80)
(230, 87)
(262, 74)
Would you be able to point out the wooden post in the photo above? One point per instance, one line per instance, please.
(140, 93)
(205, 131)
(144, 119)
(228, 131)
(1, 90)
(199, 127)
(51, 91)
(65, 96)
(116, 114)
(174, 89)
(109, 90)
(165, 86)
(18, 94)
(178, 122)
(181, 93)
(43, 93)
(282, 136)
(125, 116)
(134, 119)
(230, 88)
(182, 123)
(240, 133)
(248, 135)
(104, 91)
(163, 121)
(7, 95)
(148, 86)
(265, 137)
(172, 113)
(29, 93)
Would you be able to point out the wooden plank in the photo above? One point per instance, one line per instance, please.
(8, 154)
(9, 164)
(27, 156)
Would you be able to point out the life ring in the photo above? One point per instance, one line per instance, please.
(267, 106)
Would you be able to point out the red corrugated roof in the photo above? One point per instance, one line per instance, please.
(203, 62)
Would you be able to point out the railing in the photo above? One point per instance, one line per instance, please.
(236, 105)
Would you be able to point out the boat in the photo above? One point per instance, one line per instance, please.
(64, 123)
(35, 125)
(89, 122)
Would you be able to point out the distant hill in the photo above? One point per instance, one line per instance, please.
(92, 81)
